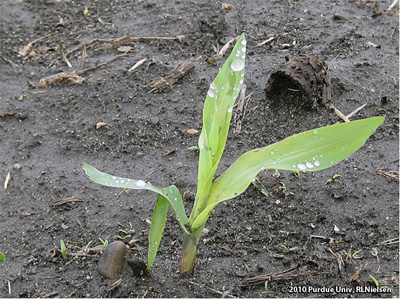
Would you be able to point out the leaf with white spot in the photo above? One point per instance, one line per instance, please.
(308, 151)
(171, 193)
(217, 114)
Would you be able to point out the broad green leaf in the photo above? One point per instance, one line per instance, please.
(308, 151)
(217, 114)
(171, 193)
(2, 257)
(157, 228)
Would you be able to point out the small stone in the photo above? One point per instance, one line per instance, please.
(17, 167)
(100, 124)
(154, 120)
(112, 261)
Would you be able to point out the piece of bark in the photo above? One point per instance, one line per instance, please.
(306, 74)
(171, 78)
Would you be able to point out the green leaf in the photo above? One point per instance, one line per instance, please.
(2, 257)
(217, 114)
(308, 151)
(157, 228)
(171, 193)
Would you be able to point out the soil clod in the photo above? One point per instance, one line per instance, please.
(138, 267)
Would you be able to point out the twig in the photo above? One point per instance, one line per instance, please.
(355, 111)
(7, 181)
(265, 42)
(137, 64)
(388, 174)
(357, 276)
(287, 274)
(73, 76)
(211, 289)
(338, 258)
(8, 113)
(389, 242)
(9, 61)
(24, 51)
(339, 113)
(65, 201)
(240, 111)
(226, 47)
(169, 152)
(171, 78)
(393, 4)
(83, 57)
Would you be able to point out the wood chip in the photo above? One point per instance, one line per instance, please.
(192, 131)
(308, 74)
(71, 76)
(7, 181)
(139, 63)
(114, 285)
(171, 78)
(291, 273)
(100, 124)
(357, 276)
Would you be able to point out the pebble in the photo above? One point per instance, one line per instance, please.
(154, 120)
(112, 261)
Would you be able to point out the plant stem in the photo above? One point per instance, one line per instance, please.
(189, 250)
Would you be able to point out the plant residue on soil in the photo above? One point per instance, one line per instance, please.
(121, 85)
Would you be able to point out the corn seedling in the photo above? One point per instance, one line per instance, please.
(2, 257)
(126, 234)
(289, 249)
(312, 150)
(85, 249)
(63, 249)
(351, 255)
(104, 242)
(334, 179)
(376, 283)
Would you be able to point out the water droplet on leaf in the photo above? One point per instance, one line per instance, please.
(140, 183)
(237, 65)
(301, 166)
(309, 165)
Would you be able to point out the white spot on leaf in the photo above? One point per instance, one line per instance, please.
(140, 183)
(237, 65)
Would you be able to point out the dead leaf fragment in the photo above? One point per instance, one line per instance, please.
(72, 76)
(226, 7)
(139, 63)
(100, 124)
(124, 49)
(7, 181)
(192, 131)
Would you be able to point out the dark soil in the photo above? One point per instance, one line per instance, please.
(47, 133)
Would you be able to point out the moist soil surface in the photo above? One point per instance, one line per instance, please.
(337, 234)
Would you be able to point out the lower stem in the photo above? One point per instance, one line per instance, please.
(189, 250)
